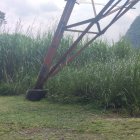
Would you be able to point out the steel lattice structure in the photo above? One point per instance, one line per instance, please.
(113, 8)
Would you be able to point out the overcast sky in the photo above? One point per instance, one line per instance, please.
(46, 13)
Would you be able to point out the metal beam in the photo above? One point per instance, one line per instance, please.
(120, 13)
(54, 44)
(47, 69)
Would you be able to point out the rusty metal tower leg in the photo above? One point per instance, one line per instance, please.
(112, 7)
(37, 93)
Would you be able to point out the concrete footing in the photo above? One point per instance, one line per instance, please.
(35, 94)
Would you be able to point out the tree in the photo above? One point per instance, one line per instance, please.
(2, 18)
(133, 33)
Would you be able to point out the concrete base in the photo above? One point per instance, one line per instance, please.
(35, 94)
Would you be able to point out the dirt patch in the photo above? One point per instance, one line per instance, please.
(57, 134)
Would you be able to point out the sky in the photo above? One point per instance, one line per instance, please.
(43, 15)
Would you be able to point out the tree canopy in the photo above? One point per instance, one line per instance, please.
(2, 18)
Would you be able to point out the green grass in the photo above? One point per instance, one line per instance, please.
(24, 120)
(105, 74)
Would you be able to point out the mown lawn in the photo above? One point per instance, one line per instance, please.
(24, 120)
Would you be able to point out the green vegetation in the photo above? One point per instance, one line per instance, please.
(106, 75)
(2, 18)
(24, 120)
(133, 34)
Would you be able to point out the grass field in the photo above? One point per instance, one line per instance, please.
(107, 74)
(24, 120)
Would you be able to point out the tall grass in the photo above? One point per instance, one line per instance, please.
(108, 75)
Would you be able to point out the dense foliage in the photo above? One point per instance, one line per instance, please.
(106, 75)
(2, 18)
(133, 33)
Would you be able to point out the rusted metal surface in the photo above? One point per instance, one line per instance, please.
(79, 31)
(111, 8)
(54, 44)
